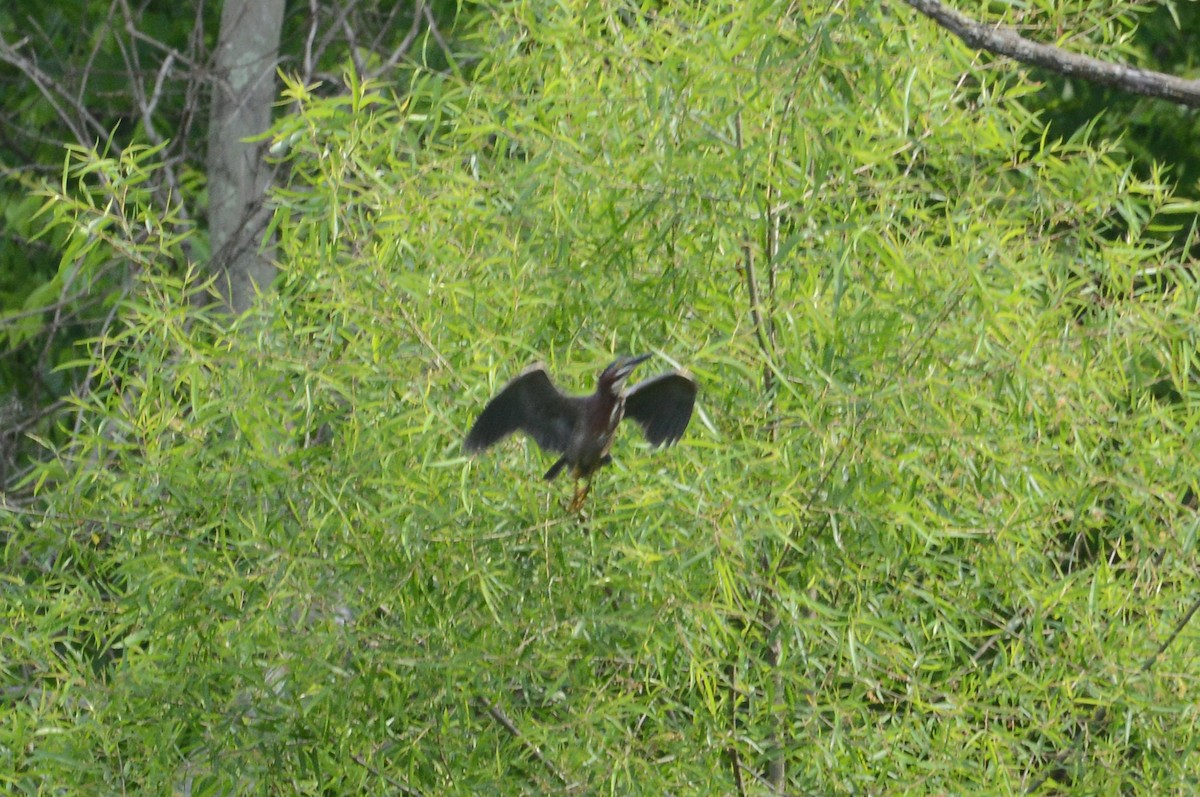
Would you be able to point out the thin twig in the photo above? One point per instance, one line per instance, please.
(748, 274)
(776, 764)
(147, 107)
(735, 761)
(85, 297)
(401, 49)
(52, 92)
(314, 13)
(498, 714)
(384, 28)
(433, 29)
(352, 46)
(395, 784)
(1100, 715)
(337, 24)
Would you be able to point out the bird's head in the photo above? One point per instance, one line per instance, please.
(612, 379)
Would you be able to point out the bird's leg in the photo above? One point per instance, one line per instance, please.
(581, 491)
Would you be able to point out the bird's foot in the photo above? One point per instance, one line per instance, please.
(581, 493)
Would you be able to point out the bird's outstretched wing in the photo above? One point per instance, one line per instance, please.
(662, 406)
(529, 403)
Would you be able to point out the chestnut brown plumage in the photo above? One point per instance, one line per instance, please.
(580, 428)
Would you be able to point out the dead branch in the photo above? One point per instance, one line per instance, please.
(1006, 41)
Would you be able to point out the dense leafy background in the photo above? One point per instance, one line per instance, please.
(933, 521)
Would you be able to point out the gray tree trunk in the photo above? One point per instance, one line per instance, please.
(238, 179)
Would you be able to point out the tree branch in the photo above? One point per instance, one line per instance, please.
(534, 752)
(83, 125)
(1006, 41)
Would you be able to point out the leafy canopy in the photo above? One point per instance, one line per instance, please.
(933, 520)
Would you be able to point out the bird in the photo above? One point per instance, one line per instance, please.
(580, 428)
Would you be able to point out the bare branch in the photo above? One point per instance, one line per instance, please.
(332, 31)
(433, 28)
(756, 316)
(402, 49)
(167, 49)
(55, 94)
(174, 195)
(1006, 41)
(533, 750)
(352, 45)
(308, 63)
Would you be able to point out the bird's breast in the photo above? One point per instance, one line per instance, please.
(618, 412)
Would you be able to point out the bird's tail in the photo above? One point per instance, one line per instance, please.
(555, 468)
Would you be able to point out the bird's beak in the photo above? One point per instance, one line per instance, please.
(629, 365)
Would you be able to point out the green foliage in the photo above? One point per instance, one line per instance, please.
(131, 76)
(1165, 38)
(931, 526)
(83, 91)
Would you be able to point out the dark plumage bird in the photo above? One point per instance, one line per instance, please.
(581, 428)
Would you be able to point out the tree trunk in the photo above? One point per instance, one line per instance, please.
(238, 179)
